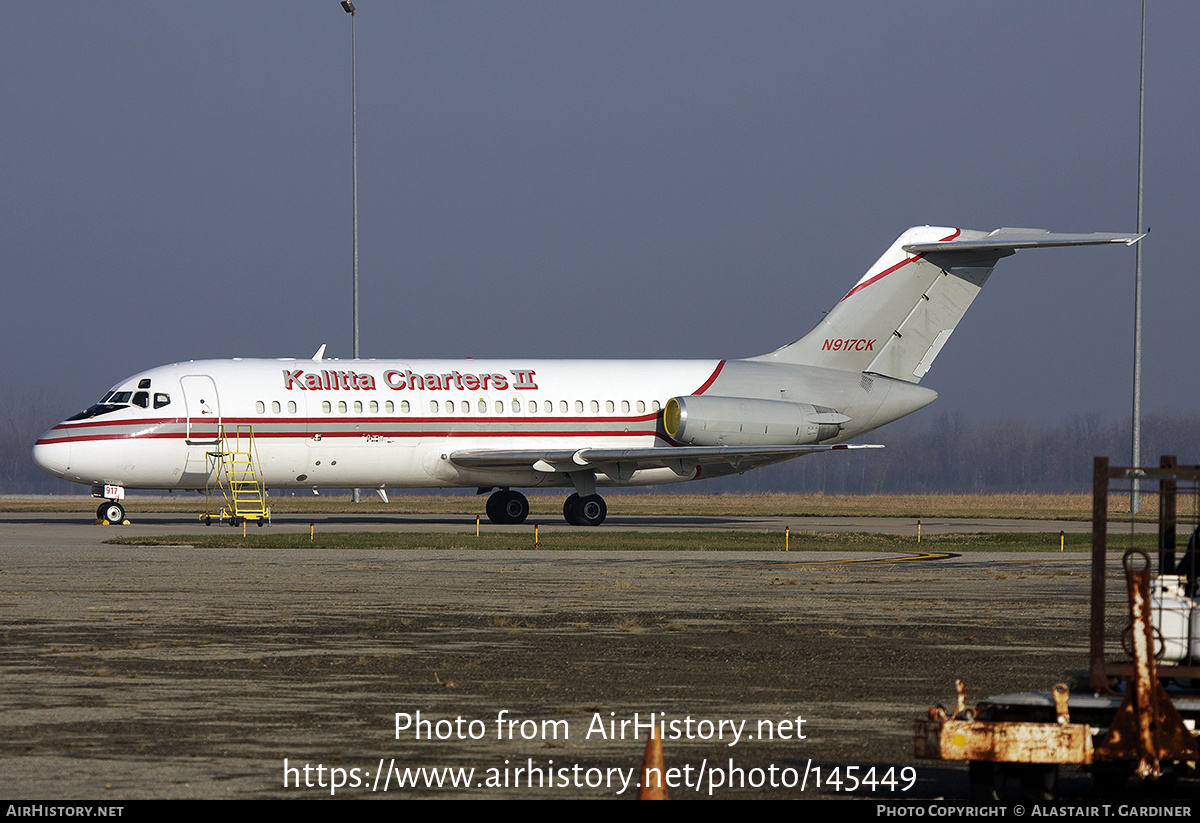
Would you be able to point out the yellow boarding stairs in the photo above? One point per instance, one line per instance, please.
(234, 490)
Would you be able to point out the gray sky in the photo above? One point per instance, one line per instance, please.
(590, 179)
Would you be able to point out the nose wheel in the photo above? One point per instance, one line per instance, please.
(507, 507)
(111, 511)
(589, 510)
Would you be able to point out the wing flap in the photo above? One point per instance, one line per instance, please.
(566, 460)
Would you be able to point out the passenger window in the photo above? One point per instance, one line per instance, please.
(374, 407)
(358, 407)
(404, 407)
(517, 406)
(548, 406)
(260, 407)
(609, 407)
(483, 407)
(499, 407)
(326, 407)
(641, 406)
(625, 406)
(161, 400)
(291, 407)
(433, 406)
(595, 406)
(275, 407)
(341, 407)
(533, 407)
(562, 406)
(655, 406)
(390, 407)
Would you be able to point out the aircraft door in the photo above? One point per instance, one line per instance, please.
(203, 409)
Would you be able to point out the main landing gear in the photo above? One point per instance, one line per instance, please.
(509, 508)
(589, 510)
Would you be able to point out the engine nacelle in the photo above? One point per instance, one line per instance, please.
(699, 420)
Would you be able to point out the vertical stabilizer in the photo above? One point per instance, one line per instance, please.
(900, 314)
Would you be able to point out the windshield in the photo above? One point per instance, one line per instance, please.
(95, 411)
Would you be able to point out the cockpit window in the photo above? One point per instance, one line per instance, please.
(161, 399)
(142, 399)
(96, 411)
(144, 383)
(120, 397)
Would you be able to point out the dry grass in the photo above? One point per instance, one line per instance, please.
(1023, 506)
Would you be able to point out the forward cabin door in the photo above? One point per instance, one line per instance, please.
(203, 410)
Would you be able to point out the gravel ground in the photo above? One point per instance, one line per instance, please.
(134, 672)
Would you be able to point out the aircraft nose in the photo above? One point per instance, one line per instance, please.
(52, 457)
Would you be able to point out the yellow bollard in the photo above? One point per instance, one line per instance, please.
(1062, 540)
(311, 528)
(918, 532)
(535, 535)
(787, 537)
(477, 525)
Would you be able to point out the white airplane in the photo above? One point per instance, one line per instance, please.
(508, 424)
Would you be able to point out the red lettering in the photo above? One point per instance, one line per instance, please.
(524, 379)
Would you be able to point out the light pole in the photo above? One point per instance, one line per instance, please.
(349, 9)
(1136, 457)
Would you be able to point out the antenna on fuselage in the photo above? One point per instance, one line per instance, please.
(320, 355)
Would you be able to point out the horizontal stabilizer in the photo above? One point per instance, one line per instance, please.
(1014, 239)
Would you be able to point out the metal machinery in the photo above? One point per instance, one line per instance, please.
(235, 491)
(1133, 711)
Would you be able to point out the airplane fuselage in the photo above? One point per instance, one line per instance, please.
(393, 424)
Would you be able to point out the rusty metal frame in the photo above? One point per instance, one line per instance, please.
(1103, 673)
(1147, 727)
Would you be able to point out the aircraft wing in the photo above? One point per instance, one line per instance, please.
(623, 463)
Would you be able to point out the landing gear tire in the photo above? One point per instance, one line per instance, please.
(585, 511)
(111, 511)
(507, 508)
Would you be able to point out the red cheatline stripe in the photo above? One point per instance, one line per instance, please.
(710, 379)
(901, 264)
(434, 433)
(283, 420)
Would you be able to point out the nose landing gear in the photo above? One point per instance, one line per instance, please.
(112, 511)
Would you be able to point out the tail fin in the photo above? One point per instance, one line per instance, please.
(898, 316)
